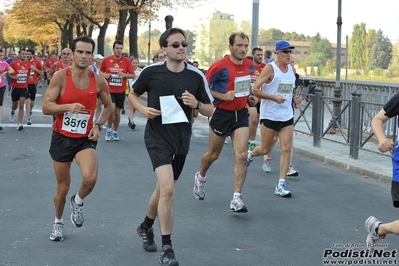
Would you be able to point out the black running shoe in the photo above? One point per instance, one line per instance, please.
(167, 257)
(148, 238)
(132, 125)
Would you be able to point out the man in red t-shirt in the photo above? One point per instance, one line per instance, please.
(230, 83)
(36, 70)
(66, 61)
(116, 69)
(257, 55)
(19, 86)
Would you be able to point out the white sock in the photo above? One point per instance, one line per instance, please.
(249, 156)
(236, 195)
(252, 141)
(202, 178)
(78, 200)
(281, 181)
(60, 221)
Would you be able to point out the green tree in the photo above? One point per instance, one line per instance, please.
(369, 44)
(142, 43)
(270, 34)
(381, 51)
(3, 43)
(246, 27)
(393, 70)
(214, 41)
(357, 49)
(190, 36)
(319, 52)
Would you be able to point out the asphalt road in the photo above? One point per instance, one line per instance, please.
(328, 207)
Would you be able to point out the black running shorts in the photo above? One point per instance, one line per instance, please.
(32, 89)
(161, 156)
(276, 125)
(64, 149)
(223, 122)
(18, 93)
(2, 91)
(118, 99)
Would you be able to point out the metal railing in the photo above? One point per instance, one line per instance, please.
(361, 101)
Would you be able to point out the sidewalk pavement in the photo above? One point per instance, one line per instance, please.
(369, 164)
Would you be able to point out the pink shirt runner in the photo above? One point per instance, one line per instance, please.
(3, 68)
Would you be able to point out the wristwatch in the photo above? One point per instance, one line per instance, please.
(99, 126)
(198, 105)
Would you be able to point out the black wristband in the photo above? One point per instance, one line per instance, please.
(99, 126)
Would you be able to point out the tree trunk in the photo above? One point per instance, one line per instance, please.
(101, 37)
(133, 32)
(70, 35)
(90, 31)
(122, 23)
(78, 30)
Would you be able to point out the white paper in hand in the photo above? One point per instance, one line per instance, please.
(171, 110)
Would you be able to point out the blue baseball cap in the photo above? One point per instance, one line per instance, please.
(281, 45)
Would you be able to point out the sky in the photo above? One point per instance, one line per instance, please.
(307, 17)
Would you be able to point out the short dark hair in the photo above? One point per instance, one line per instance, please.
(268, 53)
(83, 38)
(256, 49)
(195, 62)
(20, 50)
(163, 40)
(1, 51)
(31, 51)
(117, 42)
(233, 37)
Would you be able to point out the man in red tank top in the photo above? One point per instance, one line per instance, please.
(71, 98)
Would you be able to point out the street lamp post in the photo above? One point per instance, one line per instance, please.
(168, 22)
(337, 102)
(255, 23)
(149, 34)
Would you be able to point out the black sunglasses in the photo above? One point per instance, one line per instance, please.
(177, 45)
(286, 51)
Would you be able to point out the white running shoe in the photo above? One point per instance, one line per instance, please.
(57, 233)
(115, 136)
(282, 190)
(267, 164)
(371, 225)
(77, 213)
(227, 140)
(237, 205)
(291, 171)
(12, 117)
(108, 135)
(199, 187)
